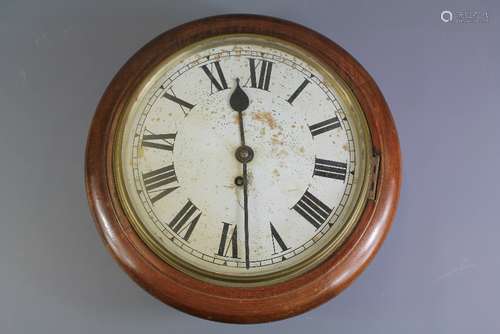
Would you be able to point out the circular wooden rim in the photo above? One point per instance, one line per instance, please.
(237, 304)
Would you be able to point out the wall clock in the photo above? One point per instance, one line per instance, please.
(243, 168)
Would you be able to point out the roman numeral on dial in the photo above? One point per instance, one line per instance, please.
(170, 95)
(162, 141)
(277, 240)
(324, 126)
(312, 209)
(156, 179)
(185, 221)
(298, 91)
(219, 84)
(228, 241)
(265, 68)
(331, 169)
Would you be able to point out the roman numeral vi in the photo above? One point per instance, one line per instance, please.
(228, 241)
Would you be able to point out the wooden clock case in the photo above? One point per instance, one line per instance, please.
(237, 304)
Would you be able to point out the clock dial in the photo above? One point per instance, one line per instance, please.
(242, 160)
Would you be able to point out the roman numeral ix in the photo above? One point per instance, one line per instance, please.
(185, 221)
(331, 169)
(163, 141)
(219, 84)
(264, 76)
(321, 127)
(312, 209)
(228, 241)
(156, 179)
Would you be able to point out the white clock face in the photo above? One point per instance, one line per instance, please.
(302, 180)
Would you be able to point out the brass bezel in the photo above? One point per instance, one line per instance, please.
(349, 104)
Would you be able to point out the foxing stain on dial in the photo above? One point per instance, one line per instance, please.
(265, 117)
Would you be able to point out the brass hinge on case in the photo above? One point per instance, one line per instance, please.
(372, 192)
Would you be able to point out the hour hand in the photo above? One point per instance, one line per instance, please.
(239, 99)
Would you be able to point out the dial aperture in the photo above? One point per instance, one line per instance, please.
(237, 161)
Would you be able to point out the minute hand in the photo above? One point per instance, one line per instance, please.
(245, 205)
(239, 102)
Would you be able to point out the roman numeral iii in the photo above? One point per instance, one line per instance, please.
(162, 141)
(321, 127)
(331, 169)
(228, 241)
(156, 179)
(264, 77)
(185, 221)
(312, 209)
(220, 83)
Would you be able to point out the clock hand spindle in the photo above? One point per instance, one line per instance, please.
(239, 102)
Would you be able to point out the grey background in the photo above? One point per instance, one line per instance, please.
(439, 269)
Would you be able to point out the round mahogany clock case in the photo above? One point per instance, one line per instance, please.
(196, 198)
